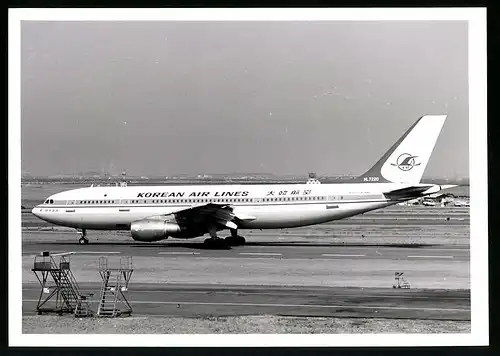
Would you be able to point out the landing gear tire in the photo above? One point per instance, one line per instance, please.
(235, 240)
(83, 241)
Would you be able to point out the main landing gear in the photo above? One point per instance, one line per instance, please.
(233, 240)
(83, 239)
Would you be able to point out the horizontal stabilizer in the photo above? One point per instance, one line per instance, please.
(408, 192)
(416, 191)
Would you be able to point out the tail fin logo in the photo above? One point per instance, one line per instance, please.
(406, 162)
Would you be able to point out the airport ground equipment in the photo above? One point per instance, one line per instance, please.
(115, 281)
(401, 282)
(83, 307)
(68, 298)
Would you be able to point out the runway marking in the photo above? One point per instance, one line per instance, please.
(32, 254)
(283, 305)
(178, 253)
(430, 256)
(95, 252)
(260, 254)
(338, 255)
(251, 294)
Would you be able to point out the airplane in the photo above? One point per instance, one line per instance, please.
(429, 203)
(155, 213)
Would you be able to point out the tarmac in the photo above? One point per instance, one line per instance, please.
(205, 300)
(271, 249)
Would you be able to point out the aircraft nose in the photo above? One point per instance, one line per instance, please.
(36, 211)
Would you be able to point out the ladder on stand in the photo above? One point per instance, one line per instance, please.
(115, 280)
(82, 309)
(400, 281)
(65, 289)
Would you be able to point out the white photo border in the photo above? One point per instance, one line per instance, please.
(476, 18)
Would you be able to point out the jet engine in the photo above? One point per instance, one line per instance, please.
(149, 230)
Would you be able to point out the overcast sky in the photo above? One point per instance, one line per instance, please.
(164, 98)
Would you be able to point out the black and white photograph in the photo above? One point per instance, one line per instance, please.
(209, 177)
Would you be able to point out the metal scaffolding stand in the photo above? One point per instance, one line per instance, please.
(400, 281)
(68, 298)
(115, 280)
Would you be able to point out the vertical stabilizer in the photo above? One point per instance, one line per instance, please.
(406, 160)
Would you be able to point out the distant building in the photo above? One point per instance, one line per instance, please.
(312, 179)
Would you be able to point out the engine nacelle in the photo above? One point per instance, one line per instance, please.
(149, 230)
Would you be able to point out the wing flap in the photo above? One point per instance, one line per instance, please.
(244, 217)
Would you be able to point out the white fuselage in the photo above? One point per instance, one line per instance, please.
(268, 206)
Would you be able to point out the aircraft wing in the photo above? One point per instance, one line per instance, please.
(222, 214)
